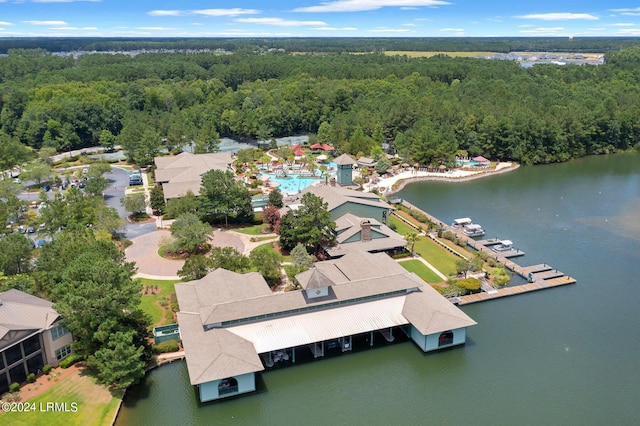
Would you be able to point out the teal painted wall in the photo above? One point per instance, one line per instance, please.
(430, 342)
(209, 390)
(360, 210)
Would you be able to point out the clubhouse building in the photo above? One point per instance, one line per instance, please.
(233, 326)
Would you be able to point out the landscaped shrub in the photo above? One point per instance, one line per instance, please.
(31, 377)
(471, 284)
(165, 347)
(419, 216)
(14, 387)
(401, 255)
(70, 360)
(46, 369)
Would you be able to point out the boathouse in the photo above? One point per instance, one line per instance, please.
(233, 326)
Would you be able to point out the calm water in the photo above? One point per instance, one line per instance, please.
(564, 356)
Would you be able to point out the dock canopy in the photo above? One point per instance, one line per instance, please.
(473, 227)
(462, 221)
(506, 243)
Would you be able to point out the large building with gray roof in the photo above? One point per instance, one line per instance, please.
(232, 325)
(30, 337)
(182, 173)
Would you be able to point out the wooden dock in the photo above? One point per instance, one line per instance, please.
(540, 277)
(512, 291)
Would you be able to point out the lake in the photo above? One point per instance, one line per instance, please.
(567, 355)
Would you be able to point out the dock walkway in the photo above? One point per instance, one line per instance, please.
(540, 277)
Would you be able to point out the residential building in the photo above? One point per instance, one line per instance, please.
(182, 173)
(30, 337)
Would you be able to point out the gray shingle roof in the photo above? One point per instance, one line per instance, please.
(20, 311)
(182, 173)
(215, 354)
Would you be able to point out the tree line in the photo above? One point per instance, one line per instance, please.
(427, 109)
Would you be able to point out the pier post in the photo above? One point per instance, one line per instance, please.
(371, 339)
(293, 355)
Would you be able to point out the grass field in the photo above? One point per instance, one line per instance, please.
(150, 302)
(421, 270)
(427, 54)
(441, 259)
(95, 405)
(252, 230)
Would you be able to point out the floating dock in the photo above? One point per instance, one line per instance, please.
(540, 277)
(512, 291)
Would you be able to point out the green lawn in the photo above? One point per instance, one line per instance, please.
(441, 259)
(269, 247)
(94, 404)
(149, 302)
(252, 230)
(421, 270)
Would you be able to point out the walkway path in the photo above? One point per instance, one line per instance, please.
(144, 252)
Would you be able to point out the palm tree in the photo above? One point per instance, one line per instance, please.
(412, 238)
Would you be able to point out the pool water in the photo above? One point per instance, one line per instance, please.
(295, 183)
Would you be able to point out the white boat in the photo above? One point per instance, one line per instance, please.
(473, 230)
(459, 223)
(505, 245)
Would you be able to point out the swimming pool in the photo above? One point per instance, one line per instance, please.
(294, 182)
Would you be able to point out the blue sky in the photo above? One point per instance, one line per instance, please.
(318, 18)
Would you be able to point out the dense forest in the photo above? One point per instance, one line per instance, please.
(324, 44)
(427, 109)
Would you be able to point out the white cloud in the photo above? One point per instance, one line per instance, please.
(635, 9)
(5, 23)
(543, 31)
(623, 24)
(65, 1)
(389, 30)
(73, 29)
(279, 22)
(559, 16)
(225, 12)
(167, 13)
(236, 11)
(155, 29)
(54, 23)
(364, 5)
(456, 30)
(629, 32)
(525, 26)
(335, 29)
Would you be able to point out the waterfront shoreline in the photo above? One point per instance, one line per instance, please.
(397, 183)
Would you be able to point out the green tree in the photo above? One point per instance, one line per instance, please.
(267, 262)
(156, 200)
(15, 254)
(300, 259)
(412, 238)
(96, 298)
(275, 198)
(107, 140)
(189, 233)
(134, 203)
(229, 258)
(194, 268)
(96, 182)
(223, 197)
(120, 362)
(382, 165)
(313, 224)
(500, 276)
(37, 171)
(187, 204)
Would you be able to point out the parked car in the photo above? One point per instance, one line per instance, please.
(135, 180)
(31, 229)
(46, 188)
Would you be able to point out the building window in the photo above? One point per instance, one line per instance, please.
(58, 331)
(63, 352)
